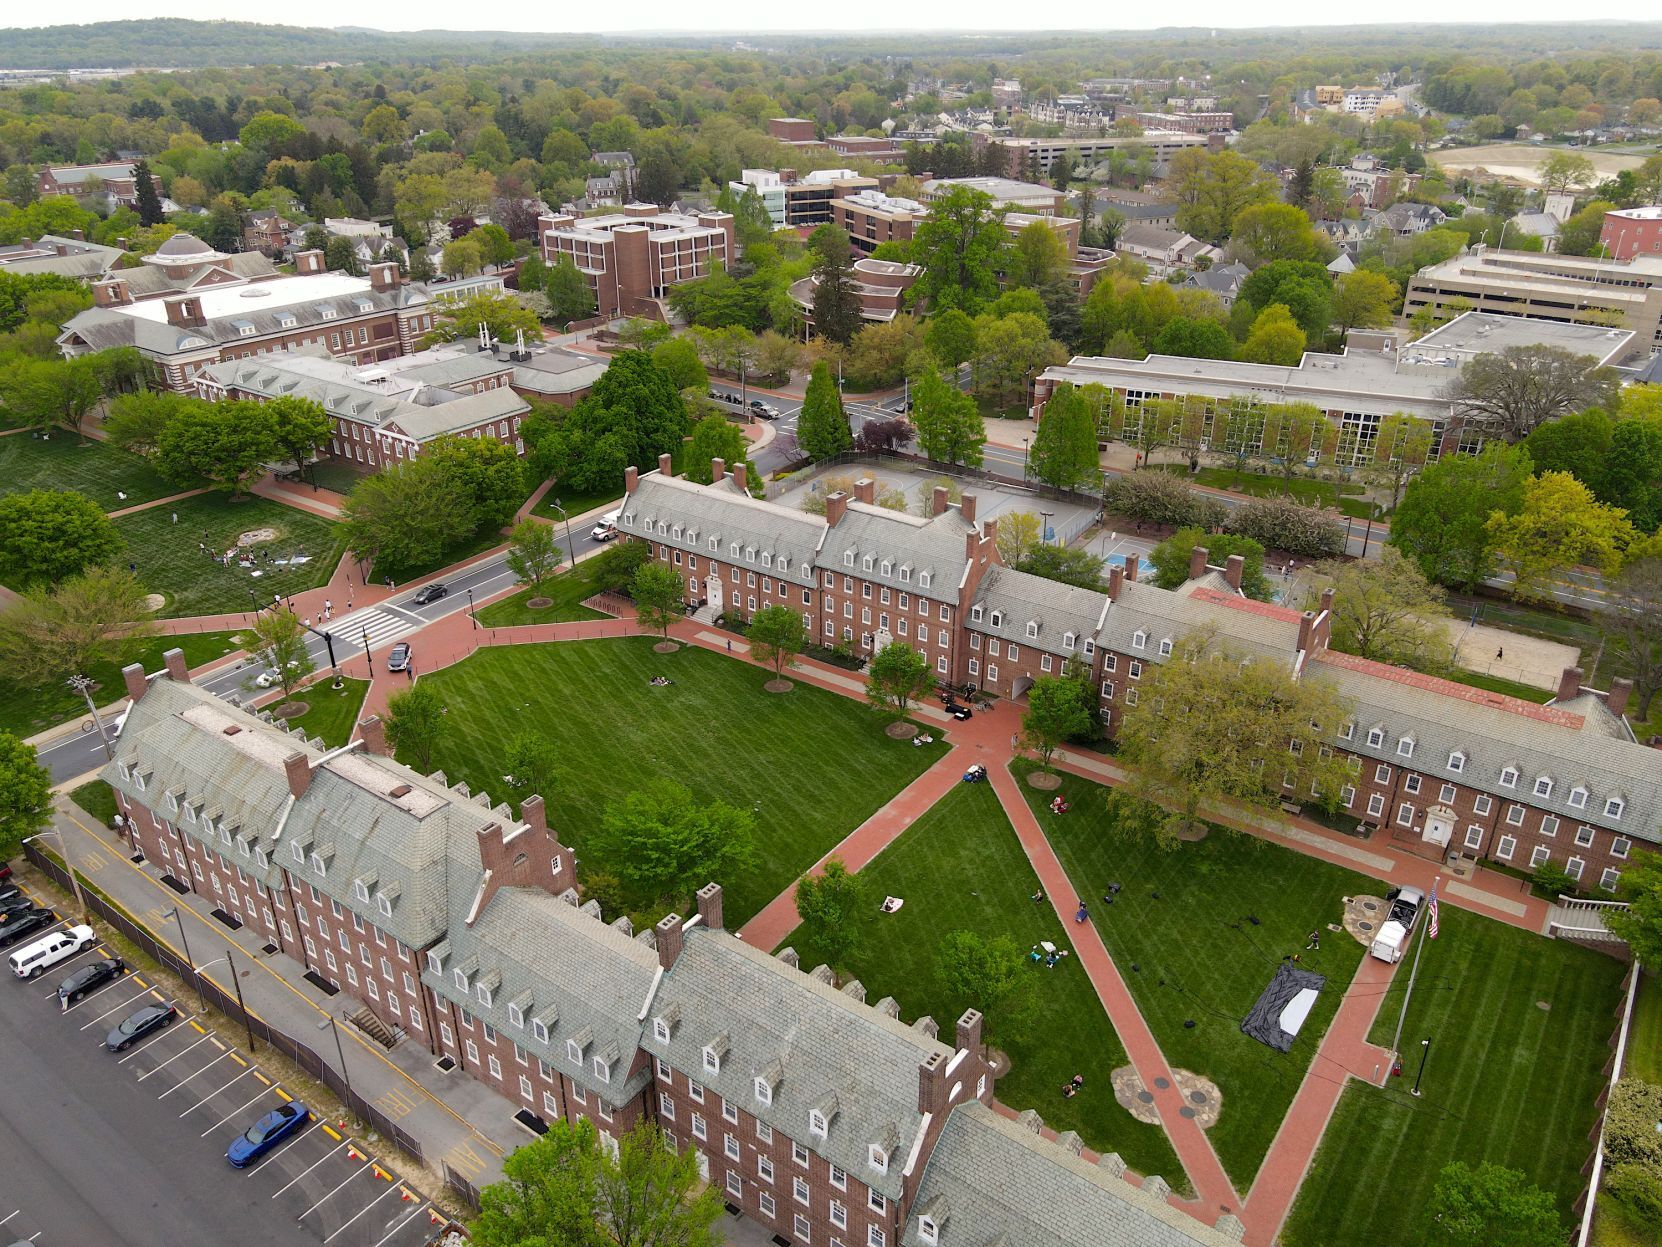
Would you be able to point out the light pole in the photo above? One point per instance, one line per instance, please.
(82, 684)
(743, 392)
(201, 1004)
(1024, 460)
(470, 614)
(74, 878)
(571, 550)
(1044, 533)
(230, 965)
(1425, 1051)
(329, 1021)
(367, 658)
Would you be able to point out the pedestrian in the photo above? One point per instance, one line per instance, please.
(308, 621)
(121, 494)
(729, 646)
(1082, 914)
(1015, 741)
(1500, 653)
(175, 517)
(1079, 1080)
(201, 545)
(133, 567)
(1315, 940)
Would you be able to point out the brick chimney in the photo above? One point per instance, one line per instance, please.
(932, 1083)
(177, 671)
(1616, 699)
(865, 490)
(669, 939)
(78, 235)
(709, 905)
(741, 477)
(938, 500)
(308, 262)
(136, 681)
(664, 468)
(1569, 684)
(183, 310)
(298, 767)
(533, 813)
(1327, 600)
(1306, 629)
(111, 292)
(1116, 581)
(966, 508)
(969, 1032)
(1197, 562)
(631, 478)
(383, 276)
(373, 732)
(836, 506)
(1233, 569)
(718, 470)
(1132, 561)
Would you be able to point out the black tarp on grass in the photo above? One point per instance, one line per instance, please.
(1263, 1023)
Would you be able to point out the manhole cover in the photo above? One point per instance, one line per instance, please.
(1147, 1097)
(1161, 1083)
(1370, 906)
(1366, 926)
(1199, 1097)
(1185, 1111)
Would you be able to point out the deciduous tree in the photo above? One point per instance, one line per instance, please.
(1491, 1206)
(491, 476)
(822, 429)
(1285, 524)
(533, 550)
(569, 295)
(777, 635)
(282, 647)
(406, 516)
(662, 845)
(949, 425)
(1161, 498)
(898, 676)
(1018, 534)
(659, 597)
(1400, 449)
(1514, 391)
(1068, 564)
(1559, 525)
(1387, 611)
(48, 535)
(957, 244)
(67, 629)
(299, 426)
(1633, 620)
(1442, 522)
(834, 906)
(228, 443)
(25, 795)
(1275, 338)
(990, 974)
(1059, 708)
(1363, 299)
(415, 724)
(1171, 559)
(950, 337)
(1274, 231)
(1036, 257)
(47, 392)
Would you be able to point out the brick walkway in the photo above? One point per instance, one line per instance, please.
(159, 502)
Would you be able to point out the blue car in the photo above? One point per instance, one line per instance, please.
(266, 1134)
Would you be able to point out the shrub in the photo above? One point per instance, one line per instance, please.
(1630, 1117)
(1554, 879)
(1639, 1189)
(1161, 498)
(1283, 524)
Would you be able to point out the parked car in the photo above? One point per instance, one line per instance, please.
(399, 658)
(146, 1021)
(19, 924)
(431, 593)
(89, 978)
(268, 678)
(765, 410)
(33, 960)
(721, 396)
(249, 1146)
(12, 900)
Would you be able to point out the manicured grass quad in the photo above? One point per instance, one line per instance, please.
(960, 867)
(565, 593)
(1199, 957)
(333, 712)
(1518, 1025)
(26, 711)
(170, 562)
(99, 471)
(812, 764)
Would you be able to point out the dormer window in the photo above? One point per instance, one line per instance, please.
(664, 1024)
(1405, 747)
(485, 995)
(928, 1231)
(1509, 777)
(1376, 737)
(1543, 786)
(905, 575)
(539, 1030)
(924, 578)
(848, 558)
(435, 963)
(172, 802)
(997, 619)
(516, 1013)
(1165, 647)
(877, 1158)
(817, 1125)
(126, 771)
(320, 865)
(784, 563)
(1457, 762)
(360, 890)
(750, 554)
(383, 904)
(660, 1030)
(975, 613)
(575, 1046)
(714, 1051)
(1090, 648)
(460, 979)
(1578, 798)
(715, 545)
(867, 563)
(888, 568)
(1067, 640)
(260, 859)
(1032, 630)
(603, 1069)
(1139, 639)
(767, 559)
(764, 1091)
(1614, 807)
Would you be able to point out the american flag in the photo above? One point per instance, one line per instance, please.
(1431, 931)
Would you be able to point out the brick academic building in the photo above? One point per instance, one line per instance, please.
(458, 926)
(1443, 766)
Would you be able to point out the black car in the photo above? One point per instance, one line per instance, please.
(15, 902)
(432, 593)
(146, 1021)
(20, 924)
(90, 977)
(399, 658)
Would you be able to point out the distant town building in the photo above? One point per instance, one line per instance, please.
(792, 130)
(1160, 146)
(632, 259)
(60, 256)
(880, 285)
(1005, 193)
(805, 200)
(1631, 232)
(873, 218)
(116, 181)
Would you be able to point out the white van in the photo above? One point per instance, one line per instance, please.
(606, 529)
(49, 950)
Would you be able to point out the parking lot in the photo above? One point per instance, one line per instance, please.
(197, 1092)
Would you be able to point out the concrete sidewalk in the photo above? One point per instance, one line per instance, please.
(457, 1119)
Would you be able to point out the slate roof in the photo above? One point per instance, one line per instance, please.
(924, 556)
(765, 532)
(464, 412)
(819, 1041)
(1496, 732)
(150, 280)
(991, 1182)
(1254, 628)
(74, 175)
(560, 966)
(1221, 279)
(1019, 598)
(83, 260)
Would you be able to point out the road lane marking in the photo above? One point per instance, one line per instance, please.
(234, 1112)
(390, 1189)
(403, 1221)
(186, 1080)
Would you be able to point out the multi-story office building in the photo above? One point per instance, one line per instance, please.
(1632, 232)
(873, 218)
(1159, 145)
(633, 258)
(880, 286)
(1005, 193)
(803, 201)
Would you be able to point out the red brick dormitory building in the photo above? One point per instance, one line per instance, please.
(1442, 766)
(457, 926)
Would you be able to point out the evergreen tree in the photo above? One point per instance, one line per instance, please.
(822, 429)
(1064, 448)
(149, 203)
(836, 305)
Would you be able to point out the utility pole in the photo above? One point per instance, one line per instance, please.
(201, 1004)
(1419, 947)
(571, 550)
(1425, 1051)
(83, 685)
(247, 1021)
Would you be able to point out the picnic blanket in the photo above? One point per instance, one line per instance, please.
(1283, 1006)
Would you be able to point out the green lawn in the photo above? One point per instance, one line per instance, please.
(26, 711)
(1500, 684)
(97, 798)
(97, 470)
(575, 504)
(333, 712)
(565, 591)
(813, 764)
(1202, 960)
(170, 562)
(1519, 1026)
(1267, 485)
(338, 474)
(1644, 1038)
(960, 866)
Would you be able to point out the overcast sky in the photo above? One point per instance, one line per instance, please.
(753, 16)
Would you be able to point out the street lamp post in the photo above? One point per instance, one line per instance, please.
(367, 658)
(230, 965)
(1425, 1051)
(1024, 460)
(329, 1022)
(74, 876)
(744, 393)
(83, 685)
(1044, 533)
(570, 549)
(201, 1004)
(470, 614)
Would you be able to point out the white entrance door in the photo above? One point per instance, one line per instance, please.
(1439, 825)
(712, 591)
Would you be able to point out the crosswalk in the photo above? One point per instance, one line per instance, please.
(380, 624)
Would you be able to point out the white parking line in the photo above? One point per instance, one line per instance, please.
(176, 1056)
(234, 1112)
(67, 962)
(10, 1215)
(403, 1221)
(152, 1039)
(307, 1169)
(113, 1008)
(185, 1081)
(364, 1168)
(391, 1187)
(215, 1092)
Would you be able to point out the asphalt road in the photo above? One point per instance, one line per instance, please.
(90, 1160)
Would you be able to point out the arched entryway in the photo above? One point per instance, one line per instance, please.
(1018, 690)
(713, 593)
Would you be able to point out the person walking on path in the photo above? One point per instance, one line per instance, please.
(175, 517)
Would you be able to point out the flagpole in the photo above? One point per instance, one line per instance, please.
(1419, 947)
